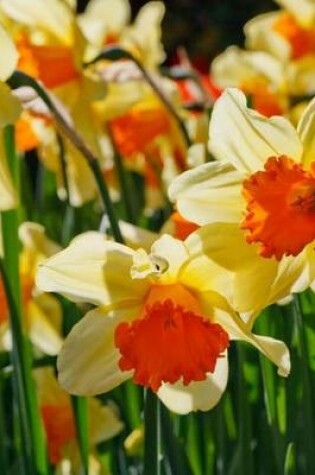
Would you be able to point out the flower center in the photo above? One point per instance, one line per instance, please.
(280, 208)
(171, 340)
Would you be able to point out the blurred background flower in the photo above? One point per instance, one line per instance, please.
(204, 28)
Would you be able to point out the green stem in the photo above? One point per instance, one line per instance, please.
(32, 431)
(19, 79)
(124, 182)
(152, 444)
(308, 409)
(80, 408)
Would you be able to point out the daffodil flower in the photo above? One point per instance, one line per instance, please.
(42, 312)
(257, 74)
(258, 197)
(59, 423)
(160, 318)
(9, 112)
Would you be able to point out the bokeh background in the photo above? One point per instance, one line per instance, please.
(203, 27)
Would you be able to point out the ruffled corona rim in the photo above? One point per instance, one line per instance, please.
(280, 208)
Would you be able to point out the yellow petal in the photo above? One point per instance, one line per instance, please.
(198, 396)
(260, 36)
(104, 422)
(104, 17)
(303, 10)
(9, 55)
(209, 193)
(51, 16)
(225, 244)
(8, 196)
(175, 254)
(236, 67)
(10, 107)
(306, 131)
(48, 390)
(144, 37)
(274, 350)
(94, 370)
(300, 77)
(245, 137)
(136, 237)
(92, 270)
(43, 326)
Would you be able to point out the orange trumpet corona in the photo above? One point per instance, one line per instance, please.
(280, 208)
(171, 341)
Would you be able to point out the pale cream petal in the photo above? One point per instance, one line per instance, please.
(209, 193)
(260, 36)
(102, 18)
(247, 139)
(10, 107)
(303, 10)
(143, 38)
(198, 396)
(276, 351)
(294, 275)
(42, 331)
(51, 16)
(88, 362)
(104, 422)
(236, 68)
(212, 284)
(225, 244)
(9, 55)
(34, 239)
(8, 196)
(49, 391)
(136, 237)
(300, 76)
(174, 252)
(306, 131)
(92, 270)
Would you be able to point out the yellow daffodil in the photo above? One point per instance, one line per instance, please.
(58, 419)
(288, 35)
(42, 312)
(258, 197)
(106, 23)
(10, 111)
(257, 74)
(160, 318)
(51, 49)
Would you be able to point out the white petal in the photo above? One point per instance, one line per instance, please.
(174, 252)
(92, 270)
(306, 132)
(88, 362)
(260, 36)
(246, 138)
(198, 396)
(209, 193)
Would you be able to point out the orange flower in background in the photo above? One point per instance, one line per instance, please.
(135, 131)
(301, 40)
(59, 427)
(183, 228)
(51, 64)
(25, 136)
